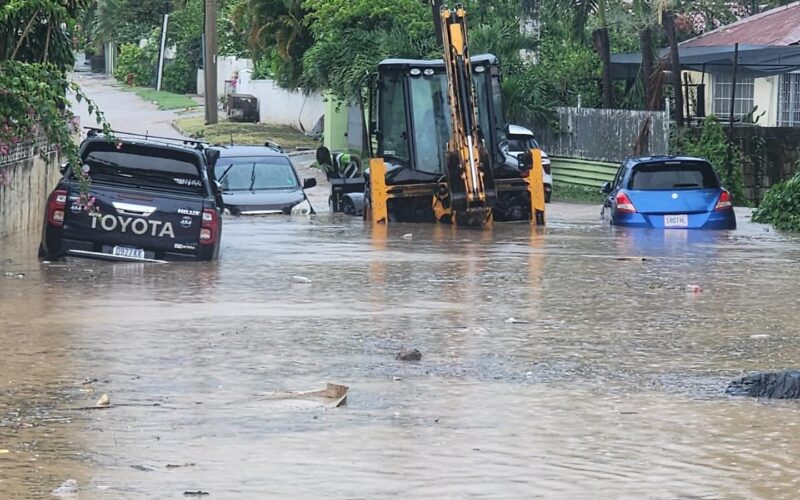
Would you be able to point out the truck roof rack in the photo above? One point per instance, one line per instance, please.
(94, 132)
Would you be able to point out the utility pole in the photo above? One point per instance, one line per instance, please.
(436, 8)
(210, 61)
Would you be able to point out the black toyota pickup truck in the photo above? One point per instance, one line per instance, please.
(152, 202)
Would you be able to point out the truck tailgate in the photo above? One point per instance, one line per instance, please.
(156, 222)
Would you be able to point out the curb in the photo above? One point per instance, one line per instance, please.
(291, 154)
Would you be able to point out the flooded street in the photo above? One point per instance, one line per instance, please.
(610, 383)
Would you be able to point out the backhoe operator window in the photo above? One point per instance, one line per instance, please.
(392, 108)
(431, 115)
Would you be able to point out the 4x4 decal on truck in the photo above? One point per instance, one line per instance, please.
(136, 225)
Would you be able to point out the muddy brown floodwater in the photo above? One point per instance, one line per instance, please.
(609, 384)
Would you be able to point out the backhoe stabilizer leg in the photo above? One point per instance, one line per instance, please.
(536, 188)
(377, 191)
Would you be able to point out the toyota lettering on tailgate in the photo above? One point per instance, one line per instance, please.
(135, 225)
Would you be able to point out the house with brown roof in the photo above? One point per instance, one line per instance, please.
(775, 97)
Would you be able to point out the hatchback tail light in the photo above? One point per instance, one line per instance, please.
(725, 201)
(624, 204)
(209, 229)
(56, 204)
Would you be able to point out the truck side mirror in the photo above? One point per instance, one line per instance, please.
(64, 167)
(309, 183)
(606, 188)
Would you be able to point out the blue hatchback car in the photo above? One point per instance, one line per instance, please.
(668, 192)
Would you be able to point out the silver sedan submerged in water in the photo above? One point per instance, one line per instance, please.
(260, 180)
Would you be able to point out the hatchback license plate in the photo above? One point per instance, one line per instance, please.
(134, 253)
(681, 220)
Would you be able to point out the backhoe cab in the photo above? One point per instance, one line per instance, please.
(436, 128)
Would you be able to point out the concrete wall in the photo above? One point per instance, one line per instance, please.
(22, 200)
(227, 68)
(279, 106)
(769, 155)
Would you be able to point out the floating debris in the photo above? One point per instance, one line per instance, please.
(633, 259)
(300, 279)
(408, 236)
(143, 468)
(177, 466)
(67, 488)
(515, 321)
(409, 355)
(333, 396)
(103, 401)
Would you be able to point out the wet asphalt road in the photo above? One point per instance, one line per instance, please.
(609, 383)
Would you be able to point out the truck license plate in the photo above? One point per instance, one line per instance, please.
(681, 220)
(134, 253)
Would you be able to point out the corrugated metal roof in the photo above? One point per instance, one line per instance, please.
(779, 26)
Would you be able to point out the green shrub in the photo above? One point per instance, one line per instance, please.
(781, 206)
(136, 61)
(713, 146)
(180, 76)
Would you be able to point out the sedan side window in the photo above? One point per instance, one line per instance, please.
(619, 176)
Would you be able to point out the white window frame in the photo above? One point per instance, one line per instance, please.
(789, 100)
(745, 95)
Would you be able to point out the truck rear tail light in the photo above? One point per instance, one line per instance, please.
(725, 201)
(210, 227)
(624, 204)
(56, 204)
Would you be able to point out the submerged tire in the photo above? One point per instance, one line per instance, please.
(348, 208)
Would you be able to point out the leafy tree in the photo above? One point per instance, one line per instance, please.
(712, 144)
(581, 12)
(35, 52)
(31, 30)
(128, 21)
(781, 206)
(332, 16)
(352, 37)
(277, 30)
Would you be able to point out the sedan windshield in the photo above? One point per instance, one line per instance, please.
(253, 174)
(673, 175)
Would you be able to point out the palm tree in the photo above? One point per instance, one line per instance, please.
(668, 22)
(278, 25)
(581, 11)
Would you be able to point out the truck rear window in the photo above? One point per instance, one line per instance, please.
(673, 175)
(145, 167)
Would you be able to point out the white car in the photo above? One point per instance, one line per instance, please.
(519, 140)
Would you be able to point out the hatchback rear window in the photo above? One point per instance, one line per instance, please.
(673, 175)
(145, 167)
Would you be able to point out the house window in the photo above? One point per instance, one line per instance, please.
(745, 88)
(789, 100)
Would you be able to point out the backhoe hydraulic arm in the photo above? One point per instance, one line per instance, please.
(469, 175)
